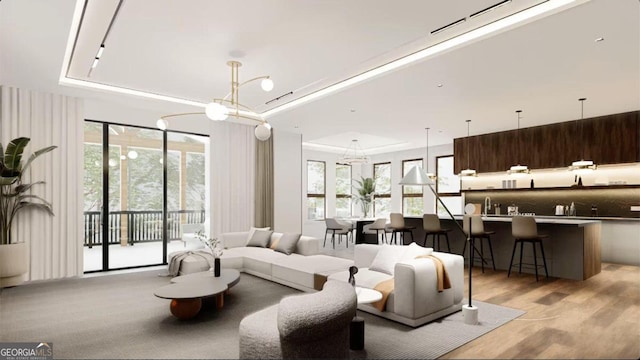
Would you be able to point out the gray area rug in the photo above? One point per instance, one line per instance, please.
(118, 317)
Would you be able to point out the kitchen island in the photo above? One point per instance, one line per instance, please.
(572, 250)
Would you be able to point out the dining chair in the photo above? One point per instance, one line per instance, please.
(379, 226)
(335, 228)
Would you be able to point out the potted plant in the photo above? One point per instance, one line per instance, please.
(364, 195)
(15, 197)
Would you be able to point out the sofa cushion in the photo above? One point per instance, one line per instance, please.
(260, 238)
(414, 250)
(253, 229)
(299, 269)
(364, 278)
(386, 258)
(287, 243)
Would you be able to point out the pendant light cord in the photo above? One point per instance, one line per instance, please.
(582, 125)
(518, 139)
(427, 150)
(468, 147)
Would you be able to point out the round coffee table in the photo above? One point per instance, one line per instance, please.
(186, 292)
(365, 296)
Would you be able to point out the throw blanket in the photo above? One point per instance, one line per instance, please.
(386, 286)
(176, 260)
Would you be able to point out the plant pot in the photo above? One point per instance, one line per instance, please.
(14, 264)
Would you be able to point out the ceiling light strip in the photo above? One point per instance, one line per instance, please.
(490, 8)
(495, 26)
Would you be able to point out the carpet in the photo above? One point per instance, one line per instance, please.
(118, 317)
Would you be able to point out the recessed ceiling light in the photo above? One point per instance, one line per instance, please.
(599, 39)
(439, 85)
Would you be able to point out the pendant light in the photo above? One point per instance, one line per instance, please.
(430, 175)
(468, 172)
(518, 169)
(582, 166)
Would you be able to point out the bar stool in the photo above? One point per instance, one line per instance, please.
(524, 229)
(431, 226)
(477, 228)
(377, 227)
(397, 226)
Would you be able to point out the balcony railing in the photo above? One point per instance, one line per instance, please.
(130, 227)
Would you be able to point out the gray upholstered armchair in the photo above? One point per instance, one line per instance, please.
(314, 325)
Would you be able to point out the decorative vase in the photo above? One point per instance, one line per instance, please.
(216, 267)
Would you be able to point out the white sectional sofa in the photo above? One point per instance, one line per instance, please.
(415, 299)
(303, 269)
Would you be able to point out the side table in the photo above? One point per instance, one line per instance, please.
(356, 333)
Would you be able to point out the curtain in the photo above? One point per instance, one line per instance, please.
(232, 177)
(264, 183)
(55, 242)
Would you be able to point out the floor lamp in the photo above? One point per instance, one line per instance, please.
(417, 176)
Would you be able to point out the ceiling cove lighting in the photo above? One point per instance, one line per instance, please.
(582, 166)
(511, 20)
(493, 27)
(468, 172)
(354, 155)
(518, 169)
(219, 109)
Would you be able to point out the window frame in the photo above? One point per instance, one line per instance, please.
(345, 196)
(444, 194)
(322, 195)
(375, 177)
(411, 195)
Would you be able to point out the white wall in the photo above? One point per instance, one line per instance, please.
(287, 178)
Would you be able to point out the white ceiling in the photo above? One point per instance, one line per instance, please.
(180, 49)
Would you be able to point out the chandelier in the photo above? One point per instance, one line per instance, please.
(220, 109)
(518, 169)
(354, 154)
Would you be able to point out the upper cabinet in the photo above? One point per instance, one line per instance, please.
(610, 139)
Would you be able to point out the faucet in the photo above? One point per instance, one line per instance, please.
(487, 205)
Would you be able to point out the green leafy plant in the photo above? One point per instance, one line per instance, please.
(15, 194)
(365, 191)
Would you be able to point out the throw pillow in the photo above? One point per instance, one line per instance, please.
(386, 258)
(414, 250)
(260, 238)
(274, 241)
(253, 229)
(287, 243)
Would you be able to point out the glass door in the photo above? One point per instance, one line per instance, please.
(144, 194)
(135, 216)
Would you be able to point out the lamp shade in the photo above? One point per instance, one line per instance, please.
(416, 176)
(216, 112)
(262, 132)
(266, 84)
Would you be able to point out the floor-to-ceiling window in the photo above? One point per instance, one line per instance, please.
(156, 183)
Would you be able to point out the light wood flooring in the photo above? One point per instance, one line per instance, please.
(595, 318)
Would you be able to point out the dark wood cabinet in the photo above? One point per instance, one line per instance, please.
(610, 139)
